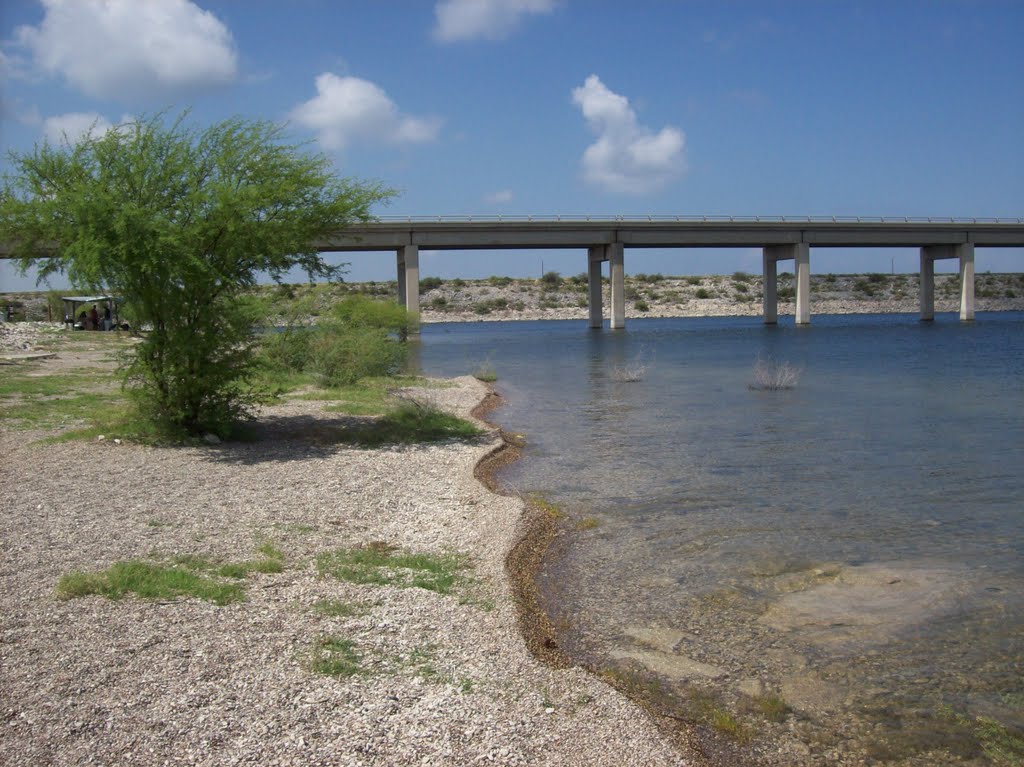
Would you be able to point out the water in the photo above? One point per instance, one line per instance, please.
(853, 545)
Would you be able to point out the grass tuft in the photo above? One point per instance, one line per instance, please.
(332, 656)
(772, 707)
(379, 564)
(148, 580)
(411, 423)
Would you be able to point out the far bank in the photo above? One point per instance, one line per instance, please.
(554, 296)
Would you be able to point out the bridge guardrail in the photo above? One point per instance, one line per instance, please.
(573, 218)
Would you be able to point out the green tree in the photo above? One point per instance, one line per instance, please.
(179, 222)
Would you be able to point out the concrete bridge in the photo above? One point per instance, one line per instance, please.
(606, 239)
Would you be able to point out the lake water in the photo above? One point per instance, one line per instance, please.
(852, 545)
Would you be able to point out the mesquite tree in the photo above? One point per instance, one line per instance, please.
(179, 222)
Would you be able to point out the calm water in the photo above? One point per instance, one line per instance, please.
(853, 544)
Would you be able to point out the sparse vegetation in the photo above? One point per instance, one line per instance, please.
(411, 422)
(485, 372)
(149, 580)
(770, 375)
(333, 656)
(381, 564)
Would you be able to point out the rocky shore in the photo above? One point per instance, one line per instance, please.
(554, 297)
(441, 680)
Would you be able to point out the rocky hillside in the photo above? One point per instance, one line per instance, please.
(647, 295)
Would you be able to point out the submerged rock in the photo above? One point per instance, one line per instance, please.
(675, 667)
(869, 604)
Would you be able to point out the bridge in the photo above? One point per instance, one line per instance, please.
(781, 238)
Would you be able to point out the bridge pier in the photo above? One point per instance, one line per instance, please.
(617, 275)
(932, 253)
(409, 278)
(595, 257)
(801, 255)
(613, 254)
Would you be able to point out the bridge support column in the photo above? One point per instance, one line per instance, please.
(802, 261)
(800, 252)
(409, 277)
(770, 298)
(932, 253)
(595, 256)
(966, 253)
(617, 274)
(927, 278)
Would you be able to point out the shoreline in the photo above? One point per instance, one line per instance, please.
(819, 308)
(447, 680)
(542, 532)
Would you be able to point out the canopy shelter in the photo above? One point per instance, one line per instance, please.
(106, 312)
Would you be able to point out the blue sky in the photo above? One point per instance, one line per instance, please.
(570, 106)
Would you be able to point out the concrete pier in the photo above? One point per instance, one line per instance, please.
(595, 257)
(800, 254)
(932, 253)
(617, 277)
(409, 277)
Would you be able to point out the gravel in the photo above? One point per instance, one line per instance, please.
(446, 680)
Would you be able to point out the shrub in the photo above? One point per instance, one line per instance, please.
(360, 311)
(551, 279)
(362, 337)
(864, 287)
(702, 293)
(430, 283)
(642, 306)
(499, 282)
(649, 278)
(340, 355)
(770, 375)
(740, 277)
(693, 280)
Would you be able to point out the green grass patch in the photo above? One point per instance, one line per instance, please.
(410, 423)
(1003, 747)
(370, 396)
(545, 506)
(333, 656)
(587, 523)
(705, 707)
(772, 707)
(148, 580)
(189, 575)
(380, 564)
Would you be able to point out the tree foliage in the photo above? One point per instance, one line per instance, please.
(179, 221)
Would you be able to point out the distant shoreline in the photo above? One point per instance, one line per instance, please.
(554, 297)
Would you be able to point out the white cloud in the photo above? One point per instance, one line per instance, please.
(127, 48)
(627, 157)
(501, 196)
(71, 127)
(348, 109)
(483, 19)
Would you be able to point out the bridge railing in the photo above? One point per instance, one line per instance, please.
(571, 218)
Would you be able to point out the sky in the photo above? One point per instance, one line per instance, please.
(568, 107)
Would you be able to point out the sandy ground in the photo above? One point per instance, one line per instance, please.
(445, 680)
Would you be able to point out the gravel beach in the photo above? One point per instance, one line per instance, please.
(444, 679)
